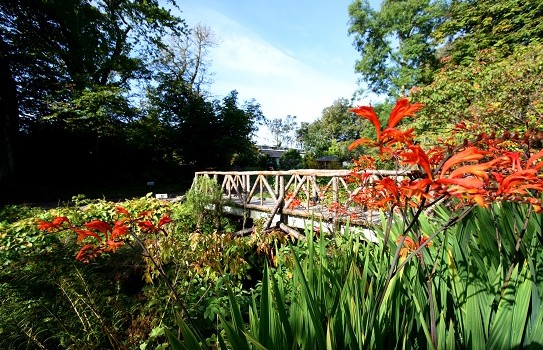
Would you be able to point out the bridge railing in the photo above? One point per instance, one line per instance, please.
(301, 189)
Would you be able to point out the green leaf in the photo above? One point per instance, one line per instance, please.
(311, 305)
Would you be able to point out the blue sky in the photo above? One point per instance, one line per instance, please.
(294, 57)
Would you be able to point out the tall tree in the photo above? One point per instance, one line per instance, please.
(492, 69)
(202, 133)
(238, 125)
(187, 57)
(395, 42)
(493, 94)
(282, 130)
(8, 121)
(73, 62)
(500, 25)
(333, 131)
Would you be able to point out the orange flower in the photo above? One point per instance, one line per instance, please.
(163, 221)
(55, 224)
(99, 225)
(470, 154)
(418, 189)
(470, 188)
(122, 211)
(120, 228)
(519, 182)
(532, 159)
(402, 109)
(478, 170)
(410, 245)
(417, 156)
(390, 135)
(360, 142)
(82, 234)
(389, 185)
(147, 226)
(87, 252)
(369, 114)
(514, 159)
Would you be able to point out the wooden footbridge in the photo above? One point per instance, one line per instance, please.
(298, 198)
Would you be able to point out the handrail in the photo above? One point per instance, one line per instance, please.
(299, 189)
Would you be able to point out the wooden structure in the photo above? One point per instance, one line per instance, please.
(297, 197)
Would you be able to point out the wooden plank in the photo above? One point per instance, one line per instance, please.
(268, 187)
(317, 172)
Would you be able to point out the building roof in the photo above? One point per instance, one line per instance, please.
(328, 159)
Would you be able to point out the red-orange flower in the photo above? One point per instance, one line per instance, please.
(417, 156)
(530, 162)
(519, 182)
(87, 252)
(82, 234)
(470, 188)
(55, 224)
(410, 245)
(417, 189)
(360, 142)
(369, 114)
(147, 226)
(389, 185)
(120, 228)
(470, 154)
(390, 135)
(122, 211)
(98, 225)
(402, 109)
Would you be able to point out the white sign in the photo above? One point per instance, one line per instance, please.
(161, 196)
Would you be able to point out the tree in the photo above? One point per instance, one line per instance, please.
(282, 130)
(186, 57)
(497, 94)
(475, 25)
(492, 69)
(73, 63)
(395, 42)
(8, 121)
(291, 159)
(333, 131)
(237, 128)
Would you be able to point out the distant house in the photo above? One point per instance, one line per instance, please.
(328, 162)
(274, 153)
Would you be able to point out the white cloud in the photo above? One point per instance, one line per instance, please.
(282, 84)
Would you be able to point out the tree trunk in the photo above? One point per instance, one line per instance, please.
(9, 120)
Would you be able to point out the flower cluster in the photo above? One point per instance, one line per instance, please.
(486, 169)
(295, 203)
(102, 237)
(409, 245)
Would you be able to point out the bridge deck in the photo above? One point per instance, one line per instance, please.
(299, 197)
(317, 211)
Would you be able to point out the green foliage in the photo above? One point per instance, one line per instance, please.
(203, 202)
(495, 94)
(182, 119)
(50, 300)
(501, 25)
(331, 133)
(291, 159)
(76, 71)
(477, 280)
(395, 43)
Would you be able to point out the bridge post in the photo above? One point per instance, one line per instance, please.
(335, 195)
